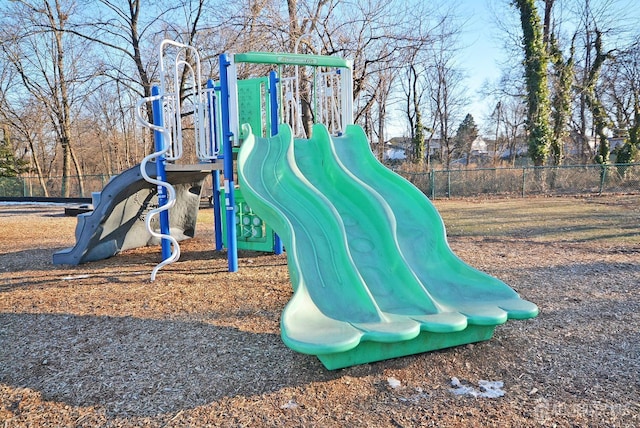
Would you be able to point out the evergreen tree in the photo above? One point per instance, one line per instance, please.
(465, 136)
(9, 165)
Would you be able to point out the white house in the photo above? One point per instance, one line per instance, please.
(479, 147)
(400, 148)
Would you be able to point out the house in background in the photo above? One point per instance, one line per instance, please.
(401, 148)
(482, 151)
(479, 147)
(615, 142)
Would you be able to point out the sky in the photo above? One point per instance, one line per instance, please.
(479, 58)
(481, 53)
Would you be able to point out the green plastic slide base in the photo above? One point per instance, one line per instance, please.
(368, 352)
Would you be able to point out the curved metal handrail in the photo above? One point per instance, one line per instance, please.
(171, 192)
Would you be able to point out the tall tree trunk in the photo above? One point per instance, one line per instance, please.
(536, 81)
(561, 100)
(63, 110)
(600, 118)
(80, 175)
(418, 134)
(38, 168)
(382, 112)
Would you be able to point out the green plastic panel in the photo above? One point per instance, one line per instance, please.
(253, 105)
(251, 231)
(291, 59)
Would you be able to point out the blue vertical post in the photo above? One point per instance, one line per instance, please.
(215, 175)
(161, 173)
(227, 148)
(278, 248)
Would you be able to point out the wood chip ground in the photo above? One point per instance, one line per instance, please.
(99, 345)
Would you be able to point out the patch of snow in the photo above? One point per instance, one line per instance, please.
(393, 382)
(291, 404)
(491, 389)
(486, 388)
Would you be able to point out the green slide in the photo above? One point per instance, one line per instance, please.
(372, 273)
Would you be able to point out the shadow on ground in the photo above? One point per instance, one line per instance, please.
(136, 367)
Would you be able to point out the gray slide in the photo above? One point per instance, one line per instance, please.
(117, 222)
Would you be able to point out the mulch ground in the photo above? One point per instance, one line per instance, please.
(100, 345)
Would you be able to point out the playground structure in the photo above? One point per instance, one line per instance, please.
(373, 275)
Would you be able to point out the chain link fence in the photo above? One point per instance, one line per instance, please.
(528, 181)
(522, 182)
(16, 187)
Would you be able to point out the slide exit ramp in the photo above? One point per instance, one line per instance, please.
(373, 275)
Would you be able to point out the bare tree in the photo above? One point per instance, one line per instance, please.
(25, 123)
(383, 98)
(432, 86)
(414, 91)
(444, 82)
(601, 29)
(36, 43)
(119, 29)
(514, 119)
(509, 118)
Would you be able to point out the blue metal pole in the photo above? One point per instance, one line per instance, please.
(161, 174)
(273, 102)
(229, 184)
(215, 175)
(278, 248)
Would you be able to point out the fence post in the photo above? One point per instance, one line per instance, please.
(524, 179)
(432, 179)
(603, 176)
(448, 183)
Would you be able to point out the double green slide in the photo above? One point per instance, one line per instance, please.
(372, 272)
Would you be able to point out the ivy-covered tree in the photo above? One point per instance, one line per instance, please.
(535, 65)
(630, 151)
(632, 144)
(563, 75)
(465, 136)
(600, 118)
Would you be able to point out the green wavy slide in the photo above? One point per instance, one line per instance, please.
(372, 272)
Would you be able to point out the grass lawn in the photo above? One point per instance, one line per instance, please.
(604, 219)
